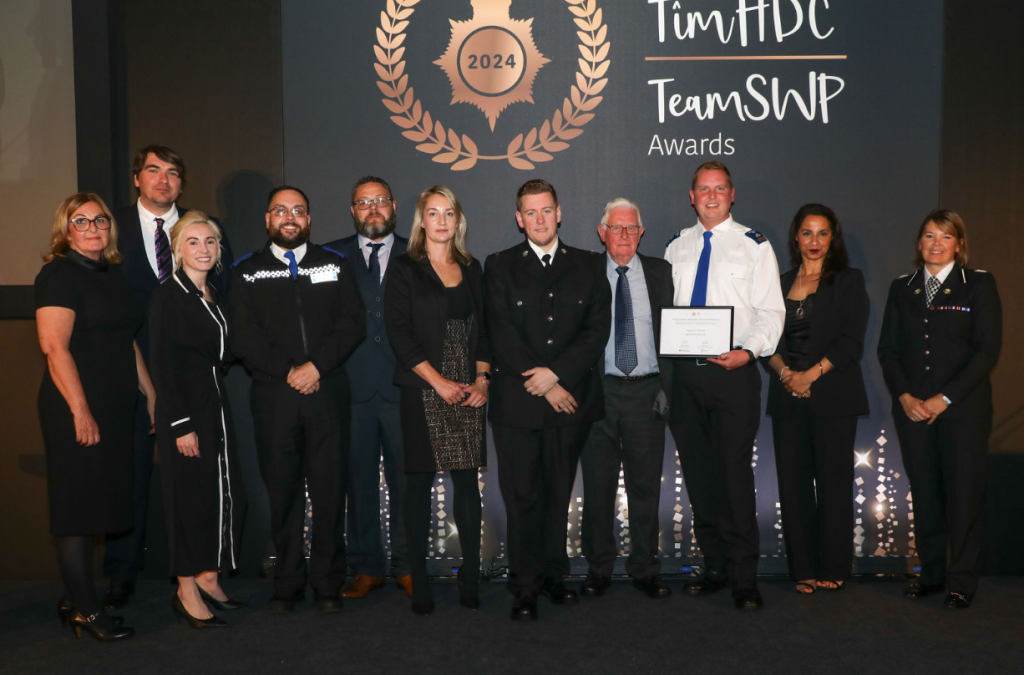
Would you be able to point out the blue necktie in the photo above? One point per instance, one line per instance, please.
(700, 284)
(625, 333)
(374, 263)
(293, 266)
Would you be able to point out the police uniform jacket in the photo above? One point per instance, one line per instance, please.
(559, 318)
(279, 322)
(948, 347)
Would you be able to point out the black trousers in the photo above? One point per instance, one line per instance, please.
(123, 557)
(814, 463)
(631, 437)
(947, 464)
(376, 433)
(302, 441)
(716, 413)
(466, 511)
(536, 472)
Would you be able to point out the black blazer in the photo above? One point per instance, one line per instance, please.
(138, 272)
(838, 324)
(947, 348)
(559, 318)
(416, 312)
(372, 365)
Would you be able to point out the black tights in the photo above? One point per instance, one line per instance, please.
(74, 555)
(465, 509)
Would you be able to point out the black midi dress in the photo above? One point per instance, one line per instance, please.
(90, 489)
(203, 496)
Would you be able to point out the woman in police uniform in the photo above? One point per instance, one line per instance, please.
(941, 335)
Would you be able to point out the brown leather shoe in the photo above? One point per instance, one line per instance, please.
(361, 586)
(405, 583)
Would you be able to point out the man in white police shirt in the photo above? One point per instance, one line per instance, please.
(716, 403)
(296, 316)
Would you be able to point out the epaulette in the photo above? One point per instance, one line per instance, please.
(904, 276)
(677, 235)
(756, 236)
(244, 257)
(337, 253)
(982, 271)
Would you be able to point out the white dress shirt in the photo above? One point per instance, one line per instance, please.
(643, 320)
(279, 252)
(743, 274)
(552, 247)
(147, 220)
(941, 276)
(383, 255)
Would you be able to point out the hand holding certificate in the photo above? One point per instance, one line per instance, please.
(696, 332)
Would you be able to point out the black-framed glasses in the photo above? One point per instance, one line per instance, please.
(363, 204)
(631, 230)
(282, 211)
(82, 223)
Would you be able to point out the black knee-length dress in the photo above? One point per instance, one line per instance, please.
(90, 489)
(203, 496)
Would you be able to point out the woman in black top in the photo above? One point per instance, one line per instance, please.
(434, 313)
(87, 318)
(201, 484)
(815, 401)
(941, 335)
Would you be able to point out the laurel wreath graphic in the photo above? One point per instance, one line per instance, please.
(445, 144)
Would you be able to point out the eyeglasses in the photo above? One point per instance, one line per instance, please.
(363, 204)
(631, 230)
(82, 223)
(297, 211)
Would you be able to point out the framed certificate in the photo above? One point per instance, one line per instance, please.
(696, 332)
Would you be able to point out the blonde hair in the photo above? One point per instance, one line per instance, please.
(60, 235)
(178, 235)
(949, 222)
(417, 238)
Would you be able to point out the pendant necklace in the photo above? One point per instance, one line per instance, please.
(799, 313)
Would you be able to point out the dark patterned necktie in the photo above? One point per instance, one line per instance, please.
(625, 333)
(931, 288)
(374, 263)
(163, 252)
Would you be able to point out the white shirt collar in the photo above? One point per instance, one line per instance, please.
(721, 228)
(364, 242)
(941, 276)
(146, 217)
(541, 252)
(279, 252)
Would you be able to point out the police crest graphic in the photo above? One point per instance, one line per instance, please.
(492, 63)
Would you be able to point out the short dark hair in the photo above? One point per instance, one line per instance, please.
(537, 186)
(836, 258)
(370, 179)
(164, 154)
(710, 166)
(282, 188)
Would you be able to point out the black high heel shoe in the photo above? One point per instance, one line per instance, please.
(222, 605)
(64, 609)
(99, 626)
(179, 609)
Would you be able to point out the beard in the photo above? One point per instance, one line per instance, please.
(279, 238)
(376, 232)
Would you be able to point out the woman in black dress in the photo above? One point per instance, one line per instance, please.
(816, 399)
(201, 484)
(941, 335)
(434, 314)
(87, 318)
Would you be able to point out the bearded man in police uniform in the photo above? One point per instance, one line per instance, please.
(717, 402)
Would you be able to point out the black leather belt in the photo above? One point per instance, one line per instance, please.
(633, 378)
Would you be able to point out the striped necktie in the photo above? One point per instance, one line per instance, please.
(163, 252)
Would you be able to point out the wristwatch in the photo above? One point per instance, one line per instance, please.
(946, 399)
(751, 354)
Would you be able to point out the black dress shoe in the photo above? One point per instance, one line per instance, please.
(747, 598)
(711, 583)
(956, 601)
(915, 589)
(524, 608)
(653, 587)
(99, 626)
(117, 596)
(595, 586)
(423, 607)
(559, 593)
(283, 602)
(65, 607)
(179, 609)
(222, 605)
(328, 603)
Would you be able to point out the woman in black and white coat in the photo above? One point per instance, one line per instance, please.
(201, 484)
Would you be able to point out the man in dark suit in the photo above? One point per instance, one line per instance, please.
(376, 426)
(549, 316)
(143, 239)
(632, 433)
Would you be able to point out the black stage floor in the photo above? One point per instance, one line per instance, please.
(867, 628)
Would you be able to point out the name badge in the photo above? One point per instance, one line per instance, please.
(321, 277)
